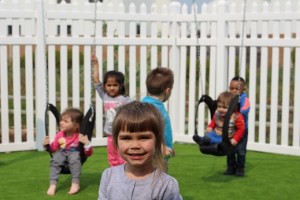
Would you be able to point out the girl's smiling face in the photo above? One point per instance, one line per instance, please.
(137, 148)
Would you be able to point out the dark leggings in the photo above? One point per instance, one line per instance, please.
(237, 158)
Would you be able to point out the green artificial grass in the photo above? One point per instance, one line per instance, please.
(25, 175)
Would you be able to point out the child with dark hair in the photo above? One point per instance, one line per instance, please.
(159, 85)
(112, 92)
(138, 135)
(214, 130)
(237, 159)
(66, 148)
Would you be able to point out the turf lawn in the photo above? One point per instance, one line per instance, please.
(24, 175)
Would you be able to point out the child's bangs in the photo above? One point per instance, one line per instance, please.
(139, 124)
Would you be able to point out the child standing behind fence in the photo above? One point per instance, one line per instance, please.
(112, 92)
(159, 84)
(66, 146)
(138, 134)
(237, 159)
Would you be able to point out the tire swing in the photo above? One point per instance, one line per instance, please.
(225, 146)
(88, 122)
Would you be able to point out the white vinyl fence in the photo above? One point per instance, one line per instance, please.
(135, 42)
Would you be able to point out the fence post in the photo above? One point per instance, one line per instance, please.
(174, 65)
(221, 60)
(40, 80)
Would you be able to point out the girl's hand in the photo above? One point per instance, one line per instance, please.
(94, 59)
(168, 152)
(208, 129)
(233, 142)
(83, 139)
(46, 141)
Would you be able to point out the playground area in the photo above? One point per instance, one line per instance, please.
(24, 175)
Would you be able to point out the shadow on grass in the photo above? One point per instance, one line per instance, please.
(86, 180)
(90, 179)
(218, 176)
(20, 157)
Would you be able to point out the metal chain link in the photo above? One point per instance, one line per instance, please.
(242, 46)
(198, 46)
(92, 64)
(44, 56)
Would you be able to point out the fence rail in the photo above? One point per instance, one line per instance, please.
(135, 42)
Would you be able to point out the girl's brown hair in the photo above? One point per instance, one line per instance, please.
(75, 114)
(139, 117)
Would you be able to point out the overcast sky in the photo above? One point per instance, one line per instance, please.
(190, 2)
(198, 2)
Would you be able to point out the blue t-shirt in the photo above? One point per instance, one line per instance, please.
(167, 127)
(244, 107)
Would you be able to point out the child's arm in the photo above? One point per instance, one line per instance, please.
(212, 124)
(168, 152)
(54, 146)
(95, 63)
(88, 149)
(240, 129)
(46, 141)
(245, 106)
(209, 129)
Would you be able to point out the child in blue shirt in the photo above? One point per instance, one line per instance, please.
(159, 84)
(236, 160)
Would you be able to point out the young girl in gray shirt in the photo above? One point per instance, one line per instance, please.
(138, 135)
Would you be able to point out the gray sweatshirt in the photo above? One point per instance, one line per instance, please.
(115, 185)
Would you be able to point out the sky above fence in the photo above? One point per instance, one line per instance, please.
(190, 2)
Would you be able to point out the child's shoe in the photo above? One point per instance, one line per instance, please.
(199, 140)
(230, 171)
(240, 171)
(206, 140)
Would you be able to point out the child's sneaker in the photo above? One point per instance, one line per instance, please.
(229, 171)
(240, 171)
(199, 140)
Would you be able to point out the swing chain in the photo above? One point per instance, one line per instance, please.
(198, 45)
(92, 64)
(44, 56)
(242, 46)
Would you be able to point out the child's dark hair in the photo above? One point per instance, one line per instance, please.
(158, 80)
(139, 117)
(238, 78)
(119, 76)
(75, 114)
